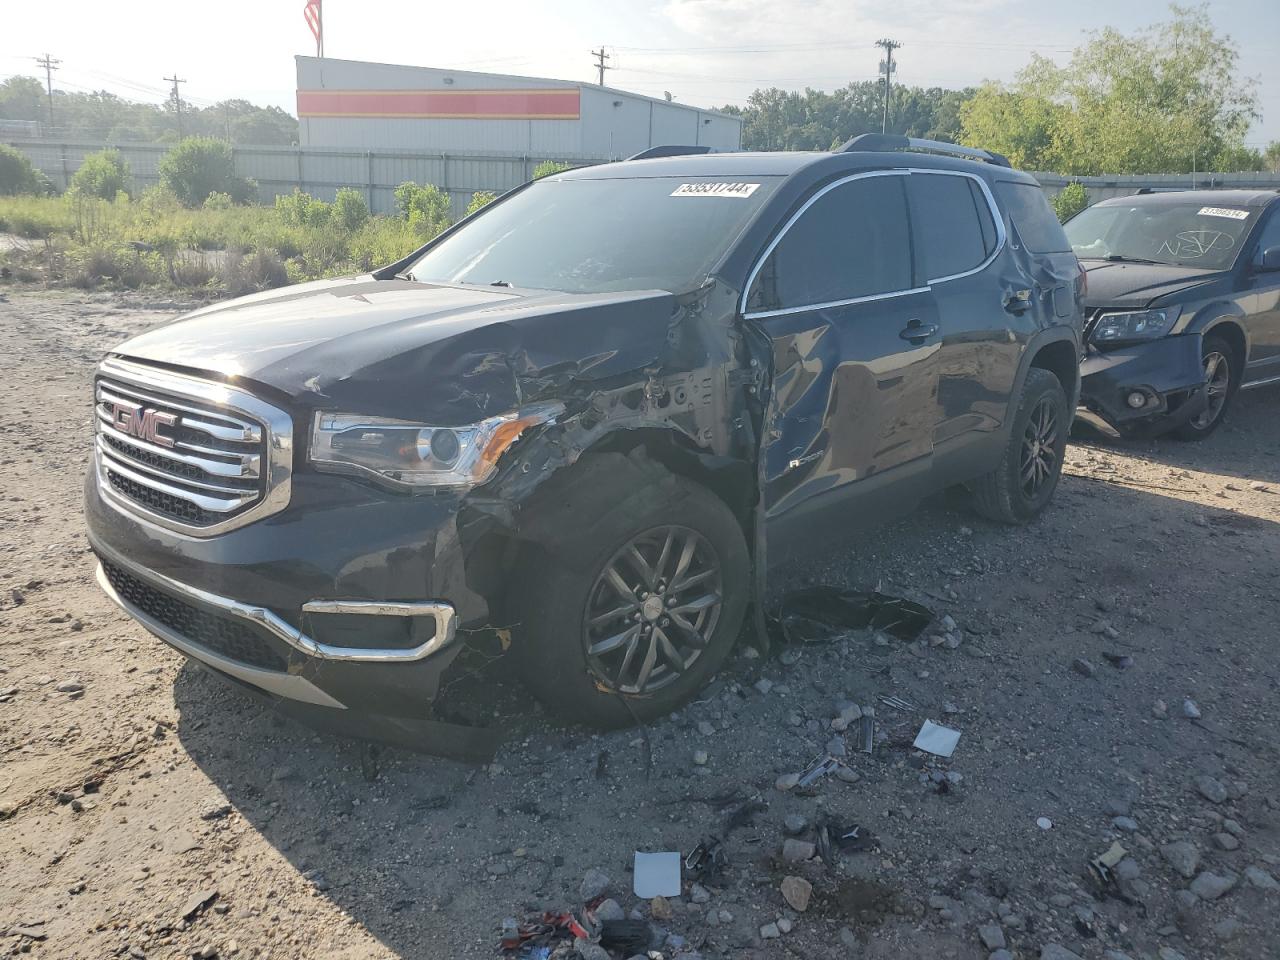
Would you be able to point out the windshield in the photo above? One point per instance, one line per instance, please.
(597, 236)
(1192, 234)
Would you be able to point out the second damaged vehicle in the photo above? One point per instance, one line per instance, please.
(588, 417)
(1183, 304)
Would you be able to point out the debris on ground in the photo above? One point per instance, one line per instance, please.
(936, 739)
(657, 875)
(821, 613)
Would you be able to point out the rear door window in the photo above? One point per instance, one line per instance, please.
(853, 241)
(1032, 217)
(957, 232)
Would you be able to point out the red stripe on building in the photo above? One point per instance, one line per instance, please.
(557, 104)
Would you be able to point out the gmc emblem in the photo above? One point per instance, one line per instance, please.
(136, 421)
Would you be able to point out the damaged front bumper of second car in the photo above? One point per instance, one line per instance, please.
(1144, 389)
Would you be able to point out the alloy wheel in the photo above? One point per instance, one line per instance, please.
(1217, 375)
(1039, 448)
(653, 609)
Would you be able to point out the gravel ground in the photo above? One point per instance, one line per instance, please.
(146, 810)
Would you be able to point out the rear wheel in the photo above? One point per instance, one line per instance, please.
(1222, 377)
(643, 607)
(1022, 485)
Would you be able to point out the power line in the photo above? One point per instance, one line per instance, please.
(177, 98)
(601, 57)
(887, 68)
(50, 65)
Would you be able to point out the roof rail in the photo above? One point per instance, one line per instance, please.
(884, 142)
(668, 150)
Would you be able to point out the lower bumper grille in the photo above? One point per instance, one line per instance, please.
(221, 634)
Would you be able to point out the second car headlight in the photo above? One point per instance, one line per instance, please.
(1138, 325)
(412, 455)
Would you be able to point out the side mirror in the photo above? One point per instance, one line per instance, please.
(1267, 260)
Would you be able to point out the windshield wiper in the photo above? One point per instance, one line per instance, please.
(500, 283)
(1121, 258)
(406, 275)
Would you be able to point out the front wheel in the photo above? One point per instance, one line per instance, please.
(634, 616)
(1022, 485)
(1221, 380)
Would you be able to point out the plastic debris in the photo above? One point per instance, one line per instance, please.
(821, 613)
(1104, 864)
(867, 730)
(897, 703)
(936, 739)
(705, 861)
(628, 937)
(657, 875)
(1044, 823)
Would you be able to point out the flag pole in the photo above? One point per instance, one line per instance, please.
(320, 33)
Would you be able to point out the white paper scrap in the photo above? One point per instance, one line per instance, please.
(657, 875)
(936, 739)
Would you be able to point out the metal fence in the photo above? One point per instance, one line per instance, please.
(320, 171)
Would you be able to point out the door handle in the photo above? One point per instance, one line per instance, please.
(918, 332)
(1017, 301)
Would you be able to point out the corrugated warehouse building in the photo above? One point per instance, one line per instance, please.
(381, 106)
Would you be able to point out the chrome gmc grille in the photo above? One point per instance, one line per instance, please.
(191, 455)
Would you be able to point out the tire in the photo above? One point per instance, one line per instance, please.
(1222, 369)
(564, 590)
(1040, 428)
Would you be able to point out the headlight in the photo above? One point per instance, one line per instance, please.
(416, 455)
(1141, 325)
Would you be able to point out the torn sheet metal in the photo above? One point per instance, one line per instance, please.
(821, 613)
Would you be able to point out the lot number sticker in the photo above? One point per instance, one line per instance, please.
(715, 190)
(1224, 212)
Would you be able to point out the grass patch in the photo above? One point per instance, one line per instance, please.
(218, 248)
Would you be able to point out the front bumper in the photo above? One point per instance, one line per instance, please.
(345, 606)
(1168, 374)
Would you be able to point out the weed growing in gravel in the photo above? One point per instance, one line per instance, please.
(220, 247)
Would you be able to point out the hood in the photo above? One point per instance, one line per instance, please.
(414, 350)
(1141, 285)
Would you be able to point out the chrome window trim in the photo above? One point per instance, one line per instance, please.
(443, 613)
(992, 207)
(791, 221)
(274, 422)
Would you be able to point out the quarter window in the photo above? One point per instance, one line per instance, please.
(957, 232)
(853, 241)
(1032, 217)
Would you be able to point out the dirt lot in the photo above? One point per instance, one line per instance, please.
(147, 810)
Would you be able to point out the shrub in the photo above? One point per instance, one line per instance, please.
(199, 166)
(1073, 198)
(103, 174)
(481, 198)
(349, 211)
(547, 167)
(218, 201)
(425, 207)
(382, 241)
(17, 175)
(119, 265)
(300, 209)
(262, 270)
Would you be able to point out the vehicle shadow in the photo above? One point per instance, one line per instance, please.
(430, 856)
(1246, 446)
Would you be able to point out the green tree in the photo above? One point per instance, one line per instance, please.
(22, 98)
(547, 167)
(103, 174)
(426, 208)
(350, 212)
(17, 175)
(1272, 156)
(1168, 99)
(1071, 200)
(481, 198)
(199, 166)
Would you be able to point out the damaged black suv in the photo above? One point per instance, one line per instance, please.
(587, 418)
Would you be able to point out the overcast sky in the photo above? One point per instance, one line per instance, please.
(706, 52)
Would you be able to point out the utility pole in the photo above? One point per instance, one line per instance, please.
(177, 99)
(50, 65)
(601, 57)
(887, 66)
